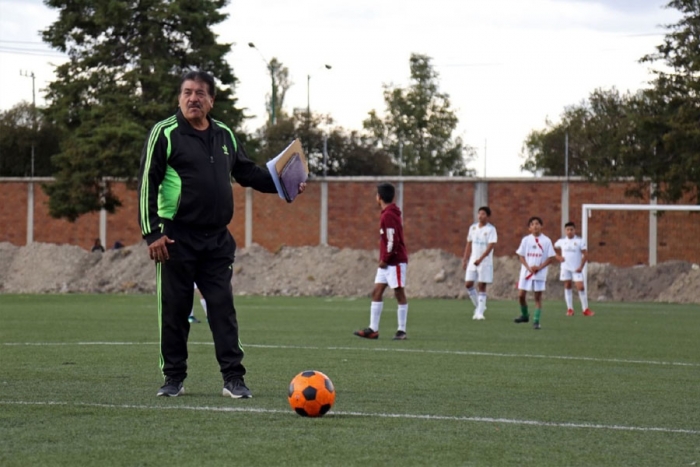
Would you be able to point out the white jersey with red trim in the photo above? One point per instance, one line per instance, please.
(535, 250)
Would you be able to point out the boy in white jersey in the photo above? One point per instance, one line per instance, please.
(478, 260)
(571, 252)
(536, 252)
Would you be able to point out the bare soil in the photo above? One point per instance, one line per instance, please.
(323, 271)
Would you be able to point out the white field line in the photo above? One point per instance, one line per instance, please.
(379, 349)
(507, 421)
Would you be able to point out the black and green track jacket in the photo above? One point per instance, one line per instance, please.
(183, 181)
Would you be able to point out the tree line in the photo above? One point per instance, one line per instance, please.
(649, 136)
(125, 60)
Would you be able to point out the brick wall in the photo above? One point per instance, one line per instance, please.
(437, 214)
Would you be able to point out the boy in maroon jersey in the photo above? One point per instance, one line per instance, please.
(393, 260)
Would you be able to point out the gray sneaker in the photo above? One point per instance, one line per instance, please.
(171, 388)
(237, 389)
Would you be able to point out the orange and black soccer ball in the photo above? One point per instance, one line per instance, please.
(311, 394)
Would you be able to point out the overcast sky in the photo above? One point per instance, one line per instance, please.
(506, 64)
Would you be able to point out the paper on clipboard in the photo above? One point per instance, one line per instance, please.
(288, 170)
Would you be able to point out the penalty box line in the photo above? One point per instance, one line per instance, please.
(506, 421)
(386, 349)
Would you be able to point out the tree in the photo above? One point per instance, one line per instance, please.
(281, 84)
(19, 127)
(675, 102)
(418, 124)
(652, 136)
(598, 131)
(125, 63)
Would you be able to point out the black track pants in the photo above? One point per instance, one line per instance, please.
(206, 258)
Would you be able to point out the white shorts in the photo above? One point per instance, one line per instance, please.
(482, 273)
(532, 285)
(567, 275)
(394, 276)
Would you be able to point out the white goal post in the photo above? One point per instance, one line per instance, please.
(587, 211)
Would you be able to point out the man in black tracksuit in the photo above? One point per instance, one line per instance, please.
(185, 206)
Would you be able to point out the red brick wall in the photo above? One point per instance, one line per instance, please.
(436, 215)
(353, 215)
(123, 225)
(13, 212)
(513, 203)
(277, 223)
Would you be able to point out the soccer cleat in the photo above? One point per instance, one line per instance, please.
(236, 389)
(478, 317)
(536, 325)
(367, 333)
(522, 319)
(569, 312)
(171, 388)
(588, 312)
(193, 319)
(400, 336)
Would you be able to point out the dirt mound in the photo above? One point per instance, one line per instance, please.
(323, 271)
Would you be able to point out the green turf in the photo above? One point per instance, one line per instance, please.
(458, 392)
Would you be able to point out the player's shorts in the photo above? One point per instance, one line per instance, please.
(567, 275)
(532, 285)
(394, 276)
(482, 273)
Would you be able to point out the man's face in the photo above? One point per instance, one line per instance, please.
(483, 217)
(194, 100)
(535, 227)
(570, 232)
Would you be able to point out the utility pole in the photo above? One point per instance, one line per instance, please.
(30, 194)
(271, 69)
(308, 91)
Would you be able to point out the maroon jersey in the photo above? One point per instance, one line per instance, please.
(392, 249)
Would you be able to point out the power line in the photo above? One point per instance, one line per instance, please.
(25, 51)
(22, 42)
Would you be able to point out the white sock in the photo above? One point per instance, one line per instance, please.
(584, 299)
(482, 303)
(402, 313)
(192, 312)
(204, 305)
(569, 297)
(473, 297)
(375, 314)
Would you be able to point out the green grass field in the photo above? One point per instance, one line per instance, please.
(79, 374)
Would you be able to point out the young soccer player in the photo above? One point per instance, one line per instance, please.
(192, 318)
(536, 253)
(478, 260)
(571, 252)
(393, 260)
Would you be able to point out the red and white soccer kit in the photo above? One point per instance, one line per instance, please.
(535, 250)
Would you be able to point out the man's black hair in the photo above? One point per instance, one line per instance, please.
(486, 209)
(386, 192)
(200, 76)
(570, 224)
(535, 218)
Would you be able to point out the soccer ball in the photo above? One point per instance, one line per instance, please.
(311, 394)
